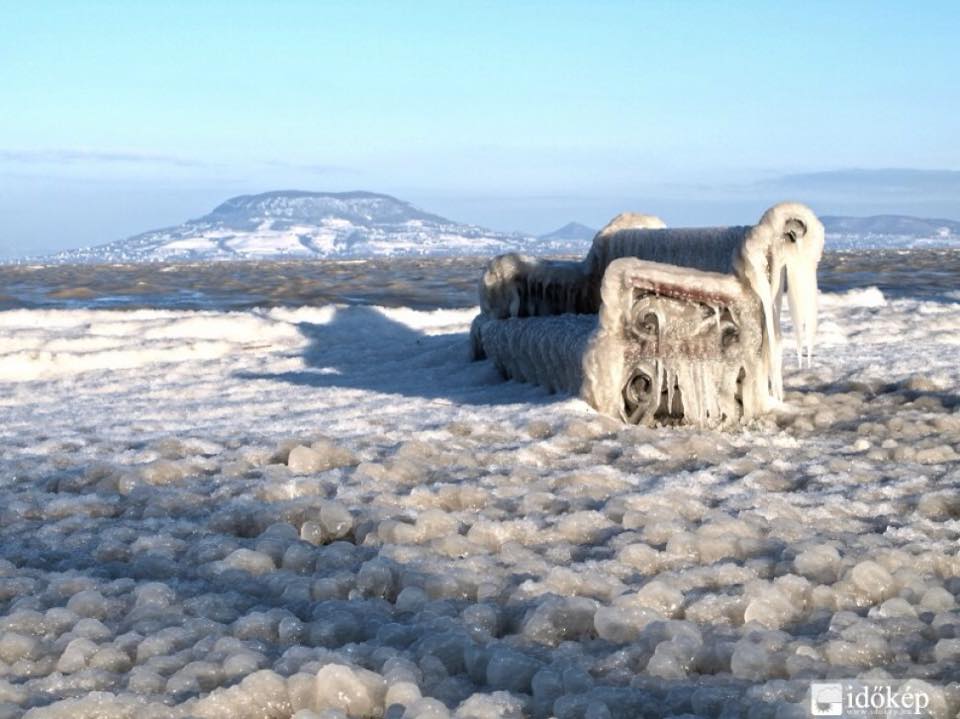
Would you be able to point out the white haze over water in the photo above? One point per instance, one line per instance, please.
(329, 511)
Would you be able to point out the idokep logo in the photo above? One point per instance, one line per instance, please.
(859, 699)
(826, 700)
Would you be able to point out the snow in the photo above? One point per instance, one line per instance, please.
(313, 225)
(329, 512)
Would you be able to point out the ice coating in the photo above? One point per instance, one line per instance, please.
(710, 249)
(547, 351)
(788, 240)
(675, 345)
(518, 286)
(671, 345)
(786, 244)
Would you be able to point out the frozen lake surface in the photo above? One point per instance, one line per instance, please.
(292, 494)
(420, 283)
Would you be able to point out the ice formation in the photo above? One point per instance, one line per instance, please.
(519, 286)
(456, 546)
(734, 275)
(665, 337)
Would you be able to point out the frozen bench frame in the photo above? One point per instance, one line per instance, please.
(659, 325)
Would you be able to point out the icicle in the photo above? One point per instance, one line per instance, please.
(710, 389)
(671, 380)
(661, 380)
(689, 353)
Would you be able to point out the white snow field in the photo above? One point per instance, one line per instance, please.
(330, 512)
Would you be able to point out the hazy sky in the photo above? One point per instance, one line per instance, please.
(117, 117)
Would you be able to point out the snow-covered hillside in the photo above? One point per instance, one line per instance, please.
(887, 231)
(348, 225)
(313, 225)
(571, 232)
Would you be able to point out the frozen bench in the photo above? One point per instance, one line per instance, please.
(659, 325)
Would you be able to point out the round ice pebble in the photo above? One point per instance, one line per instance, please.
(641, 557)
(657, 595)
(403, 693)
(313, 532)
(498, 705)
(111, 659)
(547, 685)
(481, 620)
(673, 659)
(154, 595)
(583, 527)
(947, 650)
(937, 599)
(872, 580)
(299, 557)
(89, 603)
(304, 460)
(15, 647)
(12, 693)
(772, 607)
(434, 524)
(354, 691)
(623, 623)
(510, 670)
(411, 599)
(250, 561)
(894, 607)
(375, 578)
(318, 457)
(819, 563)
(427, 708)
(751, 660)
(163, 472)
(74, 657)
(566, 618)
(335, 519)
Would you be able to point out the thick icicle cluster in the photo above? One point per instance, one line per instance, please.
(655, 355)
(673, 345)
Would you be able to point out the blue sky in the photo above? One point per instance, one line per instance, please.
(117, 117)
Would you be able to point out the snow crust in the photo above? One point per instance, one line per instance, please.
(336, 514)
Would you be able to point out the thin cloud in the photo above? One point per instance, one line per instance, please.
(314, 168)
(886, 180)
(80, 155)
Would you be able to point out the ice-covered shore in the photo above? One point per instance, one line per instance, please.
(330, 511)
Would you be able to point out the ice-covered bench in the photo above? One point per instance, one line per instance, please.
(659, 325)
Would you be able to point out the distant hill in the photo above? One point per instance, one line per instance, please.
(294, 223)
(297, 224)
(889, 231)
(571, 231)
(891, 225)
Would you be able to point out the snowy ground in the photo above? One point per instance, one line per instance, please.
(330, 510)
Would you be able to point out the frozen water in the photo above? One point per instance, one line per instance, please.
(454, 544)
